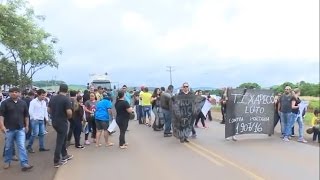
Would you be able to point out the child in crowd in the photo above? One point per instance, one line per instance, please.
(315, 122)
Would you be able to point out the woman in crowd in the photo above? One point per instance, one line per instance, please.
(155, 103)
(103, 114)
(90, 108)
(123, 115)
(78, 118)
(296, 114)
(146, 106)
(200, 115)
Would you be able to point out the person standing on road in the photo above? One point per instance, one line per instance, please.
(165, 105)
(28, 97)
(285, 111)
(102, 117)
(90, 108)
(60, 110)
(223, 103)
(123, 115)
(38, 115)
(73, 100)
(146, 106)
(14, 123)
(78, 113)
(155, 102)
(297, 115)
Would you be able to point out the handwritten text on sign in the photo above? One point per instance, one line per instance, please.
(249, 111)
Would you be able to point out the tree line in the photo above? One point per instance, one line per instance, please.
(26, 48)
(307, 89)
(47, 83)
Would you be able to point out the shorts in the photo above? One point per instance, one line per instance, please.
(102, 125)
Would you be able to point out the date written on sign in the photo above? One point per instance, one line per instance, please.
(254, 127)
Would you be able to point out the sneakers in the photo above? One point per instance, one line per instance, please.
(26, 167)
(61, 163)
(15, 158)
(67, 158)
(6, 166)
(30, 150)
(194, 136)
(233, 138)
(286, 139)
(43, 149)
(87, 142)
(80, 147)
(302, 140)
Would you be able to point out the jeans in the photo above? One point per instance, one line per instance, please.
(146, 111)
(92, 128)
(61, 149)
(301, 125)
(283, 122)
(138, 112)
(123, 126)
(156, 123)
(286, 123)
(38, 129)
(20, 137)
(29, 133)
(167, 121)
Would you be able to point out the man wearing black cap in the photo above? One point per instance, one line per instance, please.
(60, 110)
(14, 123)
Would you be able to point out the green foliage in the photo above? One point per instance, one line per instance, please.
(250, 86)
(308, 117)
(47, 83)
(307, 89)
(9, 73)
(27, 45)
(314, 104)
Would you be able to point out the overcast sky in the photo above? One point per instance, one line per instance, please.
(211, 43)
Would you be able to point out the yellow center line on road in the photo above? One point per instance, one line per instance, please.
(250, 173)
(204, 155)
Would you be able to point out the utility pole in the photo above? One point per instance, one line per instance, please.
(170, 69)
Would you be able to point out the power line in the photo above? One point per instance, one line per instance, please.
(170, 69)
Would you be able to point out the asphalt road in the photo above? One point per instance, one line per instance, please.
(210, 156)
(151, 156)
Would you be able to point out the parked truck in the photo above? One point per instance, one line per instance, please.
(102, 80)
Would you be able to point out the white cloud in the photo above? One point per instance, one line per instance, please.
(250, 30)
(135, 22)
(90, 4)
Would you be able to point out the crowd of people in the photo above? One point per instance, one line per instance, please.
(25, 118)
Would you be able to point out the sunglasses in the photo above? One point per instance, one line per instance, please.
(287, 89)
(185, 86)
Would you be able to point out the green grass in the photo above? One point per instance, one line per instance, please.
(308, 118)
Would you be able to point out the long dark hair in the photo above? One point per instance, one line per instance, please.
(155, 92)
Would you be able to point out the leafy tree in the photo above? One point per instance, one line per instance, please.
(9, 73)
(30, 47)
(250, 86)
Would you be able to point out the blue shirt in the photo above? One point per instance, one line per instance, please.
(101, 112)
(127, 97)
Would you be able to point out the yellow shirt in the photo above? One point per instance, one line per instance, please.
(99, 96)
(145, 99)
(314, 121)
